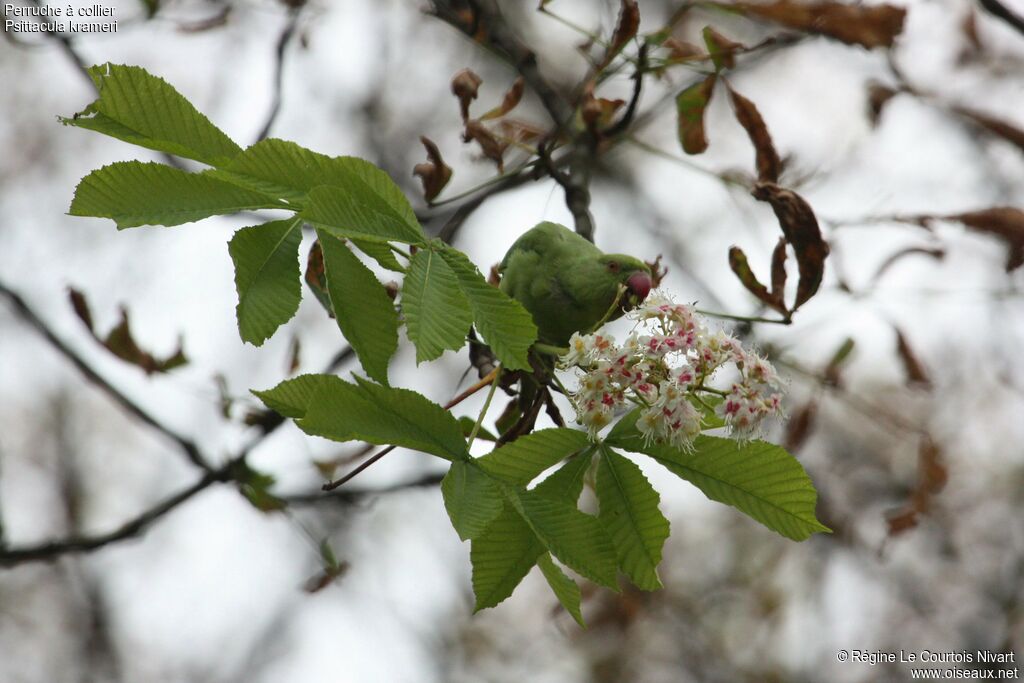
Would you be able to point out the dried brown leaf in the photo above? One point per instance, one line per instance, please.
(933, 473)
(878, 96)
(433, 173)
(509, 102)
(932, 476)
(799, 225)
(122, 344)
(598, 112)
(492, 147)
(902, 521)
(721, 49)
(120, 341)
(799, 426)
(81, 307)
(520, 131)
(769, 166)
(739, 265)
(682, 51)
(625, 30)
(779, 269)
(316, 277)
(916, 373)
(690, 106)
(294, 354)
(1004, 222)
(867, 25)
(465, 86)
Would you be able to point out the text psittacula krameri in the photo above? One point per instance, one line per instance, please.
(568, 284)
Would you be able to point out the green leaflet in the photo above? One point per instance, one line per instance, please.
(437, 315)
(381, 253)
(283, 169)
(467, 423)
(576, 539)
(564, 588)
(266, 277)
(501, 557)
(328, 406)
(504, 553)
(292, 397)
(567, 482)
(505, 325)
(522, 460)
(690, 106)
(362, 308)
(133, 193)
(364, 208)
(629, 511)
(137, 107)
(288, 171)
(471, 498)
(760, 479)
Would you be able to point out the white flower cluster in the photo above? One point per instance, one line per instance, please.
(665, 367)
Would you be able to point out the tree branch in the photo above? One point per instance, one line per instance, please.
(82, 544)
(187, 446)
(349, 496)
(483, 22)
(282, 45)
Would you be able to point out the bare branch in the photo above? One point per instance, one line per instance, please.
(282, 45)
(23, 310)
(82, 544)
(483, 21)
(349, 496)
(638, 80)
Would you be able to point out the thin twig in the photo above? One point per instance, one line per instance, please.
(483, 411)
(491, 377)
(134, 527)
(331, 485)
(638, 80)
(745, 318)
(348, 496)
(282, 45)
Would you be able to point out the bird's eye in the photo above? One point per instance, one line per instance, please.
(613, 266)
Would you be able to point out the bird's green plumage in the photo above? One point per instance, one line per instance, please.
(564, 281)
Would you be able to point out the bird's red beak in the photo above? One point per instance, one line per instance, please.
(639, 285)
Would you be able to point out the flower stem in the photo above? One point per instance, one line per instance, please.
(487, 405)
(611, 309)
(487, 183)
(550, 349)
(745, 318)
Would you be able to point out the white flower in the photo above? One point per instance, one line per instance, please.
(580, 350)
(584, 349)
(746, 407)
(663, 367)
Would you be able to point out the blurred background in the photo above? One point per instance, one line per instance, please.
(905, 376)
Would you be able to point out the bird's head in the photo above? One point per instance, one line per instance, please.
(632, 273)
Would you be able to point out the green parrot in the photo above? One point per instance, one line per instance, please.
(568, 284)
